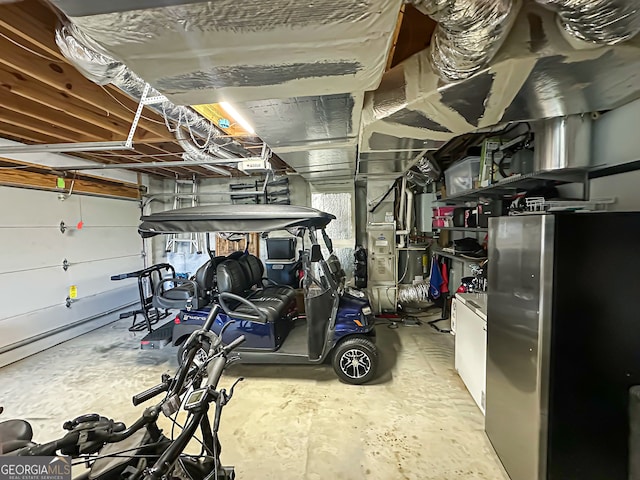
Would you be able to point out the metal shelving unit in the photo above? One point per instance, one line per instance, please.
(463, 229)
(513, 184)
(455, 256)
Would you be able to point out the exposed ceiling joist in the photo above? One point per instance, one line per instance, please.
(36, 176)
(45, 100)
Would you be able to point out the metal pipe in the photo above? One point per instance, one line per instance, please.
(65, 147)
(401, 217)
(144, 165)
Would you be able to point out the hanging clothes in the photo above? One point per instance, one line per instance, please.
(444, 288)
(435, 280)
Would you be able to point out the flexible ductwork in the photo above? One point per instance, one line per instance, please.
(192, 152)
(536, 74)
(604, 22)
(408, 294)
(468, 35)
(102, 69)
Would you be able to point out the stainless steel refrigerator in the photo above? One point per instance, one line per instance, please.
(563, 343)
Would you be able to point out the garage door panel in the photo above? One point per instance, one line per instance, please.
(48, 247)
(109, 212)
(33, 284)
(37, 289)
(34, 208)
(22, 327)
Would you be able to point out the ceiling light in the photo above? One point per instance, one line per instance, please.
(237, 117)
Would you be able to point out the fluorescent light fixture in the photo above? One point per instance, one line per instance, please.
(237, 117)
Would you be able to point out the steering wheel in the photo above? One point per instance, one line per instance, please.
(262, 317)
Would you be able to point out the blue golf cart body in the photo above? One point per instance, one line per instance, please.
(337, 322)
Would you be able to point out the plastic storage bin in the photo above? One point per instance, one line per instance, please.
(443, 211)
(281, 248)
(462, 176)
(283, 272)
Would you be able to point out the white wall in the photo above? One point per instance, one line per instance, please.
(615, 141)
(33, 284)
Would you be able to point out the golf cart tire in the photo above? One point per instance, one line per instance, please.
(361, 347)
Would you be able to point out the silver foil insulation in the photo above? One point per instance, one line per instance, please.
(101, 68)
(468, 35)
(604, 22)
(241, 50)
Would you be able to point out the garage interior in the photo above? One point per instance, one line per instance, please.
(421, 216)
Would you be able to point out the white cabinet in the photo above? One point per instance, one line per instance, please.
(471, 344)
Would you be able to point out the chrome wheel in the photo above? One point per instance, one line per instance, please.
(355, 363)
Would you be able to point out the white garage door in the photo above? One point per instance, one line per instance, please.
(33, 284)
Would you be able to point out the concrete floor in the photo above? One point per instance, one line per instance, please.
(416, 421)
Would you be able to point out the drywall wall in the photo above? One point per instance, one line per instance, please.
(33, 284)
(615, 141)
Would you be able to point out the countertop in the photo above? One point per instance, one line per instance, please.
(476, 302)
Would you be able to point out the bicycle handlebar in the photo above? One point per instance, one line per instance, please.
(150, 393)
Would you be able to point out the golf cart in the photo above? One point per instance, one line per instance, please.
(338, 323)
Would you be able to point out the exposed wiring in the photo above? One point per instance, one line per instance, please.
(56, 60)
(195, 141)
(126, 107)
(166, 119)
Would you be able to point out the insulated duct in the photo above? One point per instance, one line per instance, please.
(408, 294)
(562, 142)
(192, 152)
(102, 69)
(536, 74)
(468, 35)
(196, 51)
(603, 22)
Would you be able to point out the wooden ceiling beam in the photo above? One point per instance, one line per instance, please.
(30, 89)
(20, 105)
(65, 78)
(29, 134)
(154, 149)
(47, 44)
(96, 157)
(30, 122)
(41, 177)
(22, 22)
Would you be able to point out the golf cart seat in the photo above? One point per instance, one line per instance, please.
(232, 279)
(254, 271)
(195, 292)
(15, 434)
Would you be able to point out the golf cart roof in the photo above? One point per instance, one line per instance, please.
(233, 218)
